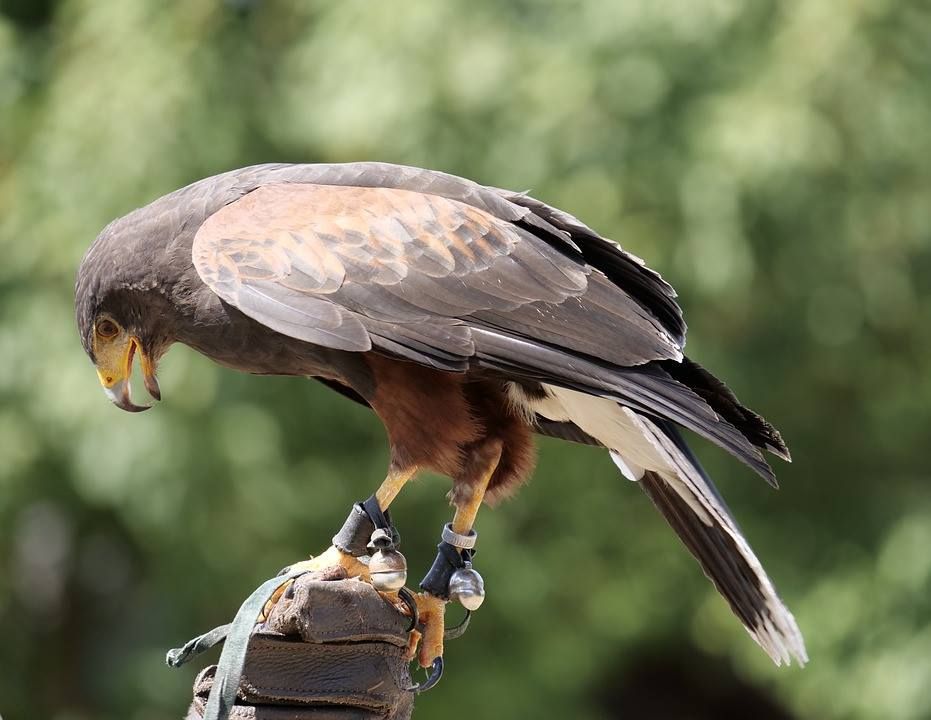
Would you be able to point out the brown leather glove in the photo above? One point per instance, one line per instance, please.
(331, 649)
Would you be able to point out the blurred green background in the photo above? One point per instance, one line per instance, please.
(771, 159)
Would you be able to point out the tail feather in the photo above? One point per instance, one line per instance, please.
(651, 452)
(715, 540)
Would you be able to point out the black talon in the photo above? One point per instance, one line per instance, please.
(454, 633)
(407, 597)
(435, 674)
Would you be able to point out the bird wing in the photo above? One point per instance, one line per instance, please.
(412, 273)
(447, 273)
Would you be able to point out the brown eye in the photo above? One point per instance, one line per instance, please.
(107, 329)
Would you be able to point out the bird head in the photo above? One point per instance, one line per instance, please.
(114, 341)
(122, 313)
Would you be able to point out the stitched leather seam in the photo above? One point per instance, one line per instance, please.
(354, 694)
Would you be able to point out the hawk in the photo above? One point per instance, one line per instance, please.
(468, 318)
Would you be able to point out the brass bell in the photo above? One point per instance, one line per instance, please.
(387, 566)
(467, 587)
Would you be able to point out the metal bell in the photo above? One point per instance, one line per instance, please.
(467, 587)
(387, 566)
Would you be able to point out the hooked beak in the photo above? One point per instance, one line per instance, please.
(115, 368)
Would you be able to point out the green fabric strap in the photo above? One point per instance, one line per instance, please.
(233, 657)
(192, 648)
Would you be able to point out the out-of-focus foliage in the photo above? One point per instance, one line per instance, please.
(772, 159)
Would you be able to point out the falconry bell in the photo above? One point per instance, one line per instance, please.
(387, 566)
(467, 587)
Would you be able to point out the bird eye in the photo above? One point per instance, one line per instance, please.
(107, 329)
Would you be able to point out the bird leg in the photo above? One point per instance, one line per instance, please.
(392, 485)
(451, 576)
(352, 543)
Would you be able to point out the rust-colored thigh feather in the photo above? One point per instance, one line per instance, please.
(446, 422)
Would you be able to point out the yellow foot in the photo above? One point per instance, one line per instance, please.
(432, 613)
(331, 560)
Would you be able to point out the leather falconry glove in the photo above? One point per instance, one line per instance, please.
(331, 649)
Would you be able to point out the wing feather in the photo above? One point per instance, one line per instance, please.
(368, 260)
(442, 271)
(314, 320)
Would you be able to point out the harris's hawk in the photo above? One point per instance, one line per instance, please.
(468, 318)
